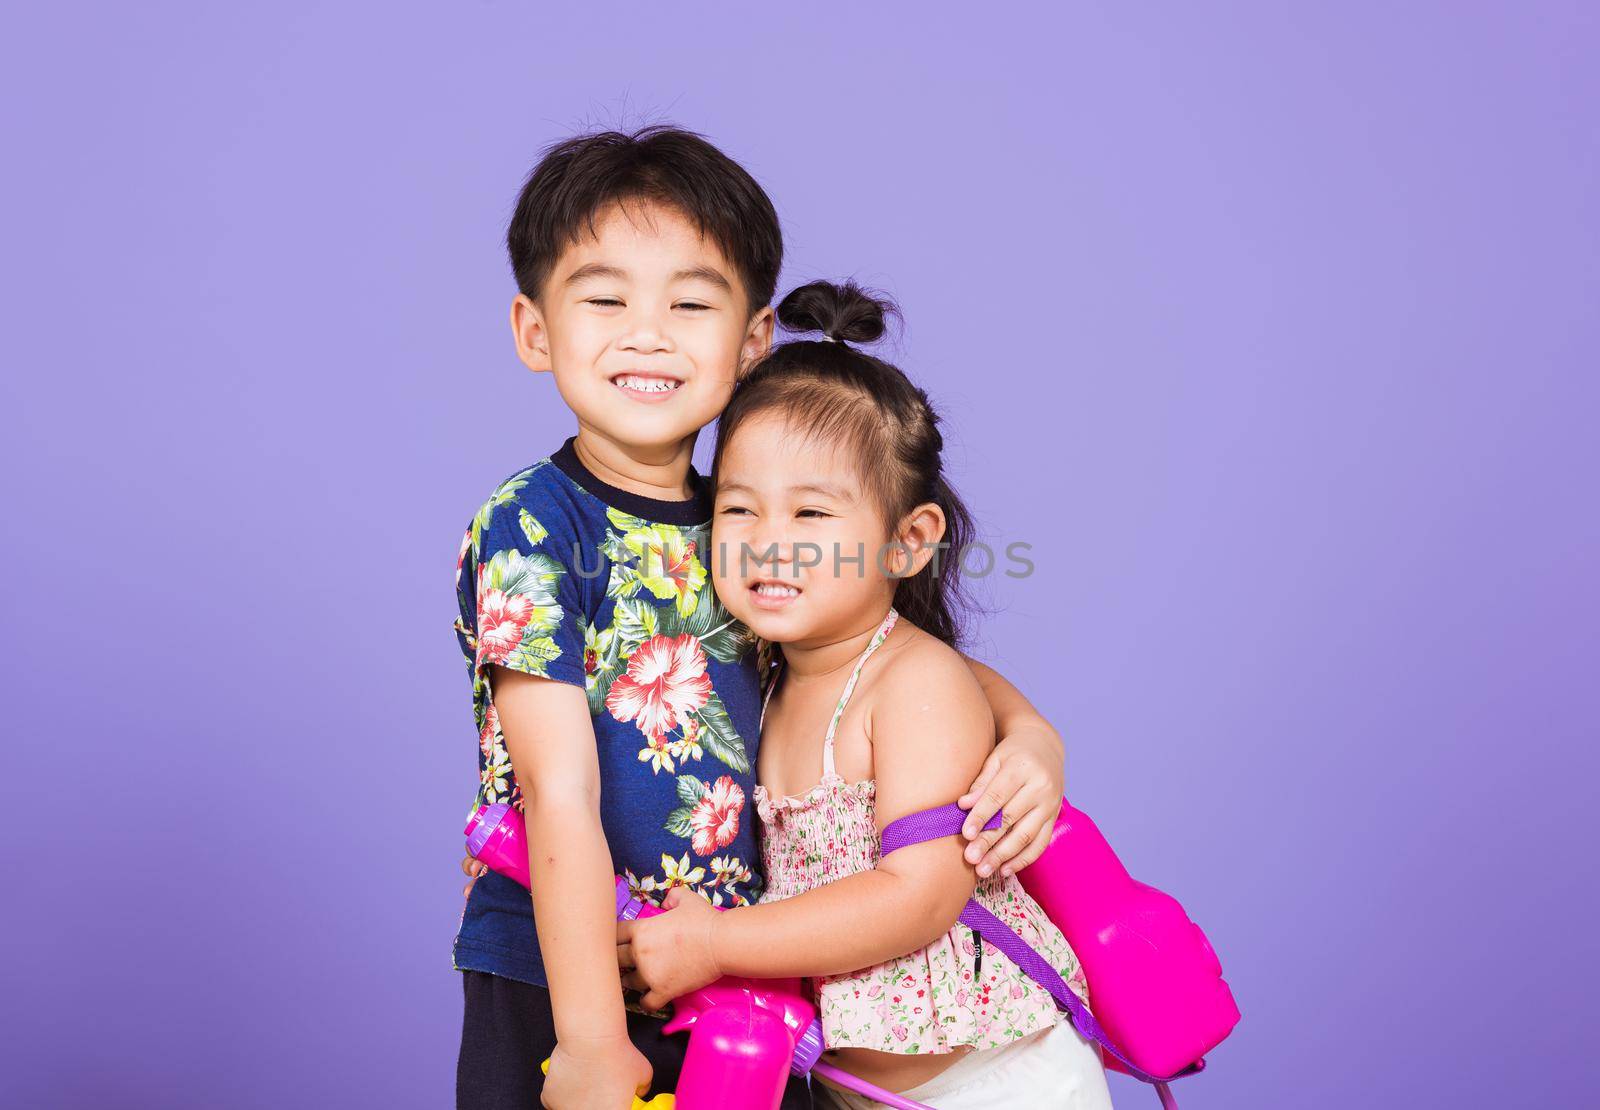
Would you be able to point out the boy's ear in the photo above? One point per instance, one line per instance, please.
(527, 328)
(757, 340)
(922, 528)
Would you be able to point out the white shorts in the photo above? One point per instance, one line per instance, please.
(1055, 1069)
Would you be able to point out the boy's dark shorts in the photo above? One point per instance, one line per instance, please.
(508, 1030)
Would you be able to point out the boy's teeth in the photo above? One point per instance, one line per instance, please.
(647, 385)
(773, 589)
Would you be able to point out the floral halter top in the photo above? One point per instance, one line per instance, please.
(959, 990)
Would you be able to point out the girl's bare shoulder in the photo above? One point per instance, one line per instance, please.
(925, 677)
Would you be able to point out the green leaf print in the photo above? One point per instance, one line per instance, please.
(636, 621)
(534, 656)
(678, 822)
(690, 790)
(504, 494)
(623, 521)
(722, 636)
(531, 527)
(718, 736)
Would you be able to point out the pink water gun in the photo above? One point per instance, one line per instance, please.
(746, 1035)
(1160, 1002)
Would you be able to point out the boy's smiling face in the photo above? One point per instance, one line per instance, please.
(646, 326)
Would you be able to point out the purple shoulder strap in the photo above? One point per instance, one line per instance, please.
(931, 824)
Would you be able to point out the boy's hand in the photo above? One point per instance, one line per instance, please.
(601, 1074)
(1022, 779)
(472, 868)
(669, 955)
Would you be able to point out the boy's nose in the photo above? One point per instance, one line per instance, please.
(644, 334)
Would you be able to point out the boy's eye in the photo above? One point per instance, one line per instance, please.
(604, 302)
(818, 513)
(731, 510)
(693, 306)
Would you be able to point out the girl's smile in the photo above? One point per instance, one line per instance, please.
(773, 596)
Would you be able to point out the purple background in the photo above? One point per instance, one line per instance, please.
(1274, 331)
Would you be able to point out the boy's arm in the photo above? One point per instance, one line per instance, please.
(550, 737)
(1022, 780)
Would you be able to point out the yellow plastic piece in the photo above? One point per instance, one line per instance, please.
(663, 1101)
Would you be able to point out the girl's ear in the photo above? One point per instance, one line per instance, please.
(917, 538)
(757, 341)
(532, 338)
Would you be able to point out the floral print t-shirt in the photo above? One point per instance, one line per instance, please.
(565, 577)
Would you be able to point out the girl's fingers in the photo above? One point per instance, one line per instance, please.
(1041, 841)
(1021, 836)
(999, 794)
(980, 847)
(625, 956)
(634, 982)
(470, 866)
(654, 1001)
(980, 784)
(466, 891)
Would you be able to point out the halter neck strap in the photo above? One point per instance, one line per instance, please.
(850, 687)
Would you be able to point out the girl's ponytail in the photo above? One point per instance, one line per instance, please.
(836, 392)
(845, 312)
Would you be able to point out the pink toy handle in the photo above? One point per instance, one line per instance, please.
(931, 824)
(861, 1086)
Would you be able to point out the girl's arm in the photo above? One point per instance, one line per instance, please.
(930, 729)
(1022, 780)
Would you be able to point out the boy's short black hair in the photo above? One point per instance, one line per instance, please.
(662, 164)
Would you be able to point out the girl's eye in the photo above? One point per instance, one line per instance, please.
(734, 509)
(817, 513)
(692, 306)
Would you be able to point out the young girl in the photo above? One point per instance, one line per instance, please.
(830, 501)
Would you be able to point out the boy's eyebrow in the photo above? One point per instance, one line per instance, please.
(705, 274)
(595, 270)
(591, 270)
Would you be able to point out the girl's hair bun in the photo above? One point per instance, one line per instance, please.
(844, 312)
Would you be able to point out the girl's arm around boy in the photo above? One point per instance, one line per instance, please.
(1023, 774)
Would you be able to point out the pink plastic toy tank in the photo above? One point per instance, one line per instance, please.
(1155, 984)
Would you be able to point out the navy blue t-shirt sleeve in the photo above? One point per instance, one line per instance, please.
(526, 600)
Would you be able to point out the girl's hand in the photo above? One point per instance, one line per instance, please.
(671, 954)
(1022, 779)
(605, 1073)
(472, 868)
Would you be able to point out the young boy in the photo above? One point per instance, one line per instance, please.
(616, 700)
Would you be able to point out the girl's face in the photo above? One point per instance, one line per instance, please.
(798, 544)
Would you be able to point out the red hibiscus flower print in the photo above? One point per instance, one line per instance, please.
(491, 726)
(666, 679)
(715, 817)
(501, 619)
